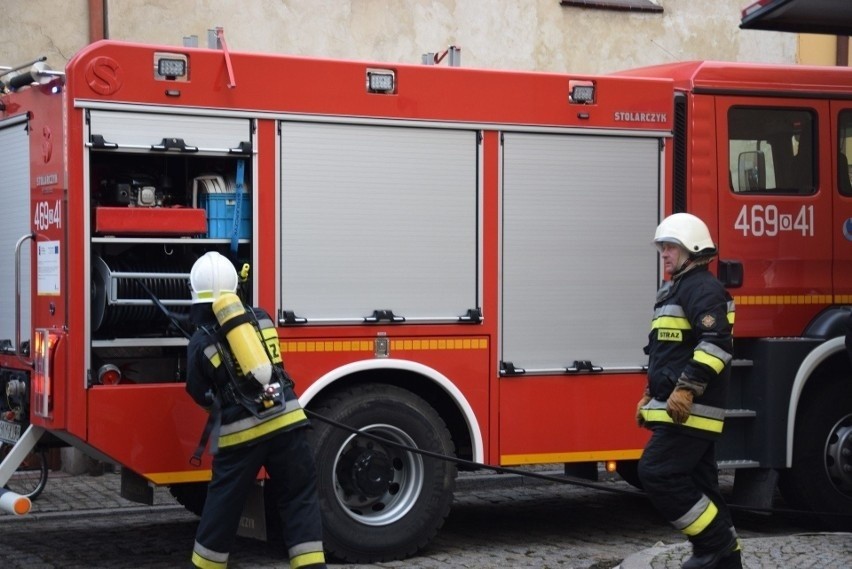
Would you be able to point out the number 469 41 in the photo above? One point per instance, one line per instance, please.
(767, 221)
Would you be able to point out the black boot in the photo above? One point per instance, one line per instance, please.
(726, 558)
(732, 561)
(709, 560)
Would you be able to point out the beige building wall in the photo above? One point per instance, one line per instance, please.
(500, 34)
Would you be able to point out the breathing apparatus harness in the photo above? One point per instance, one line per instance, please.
(258, 397)
(255, 397)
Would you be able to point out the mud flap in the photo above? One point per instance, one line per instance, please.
(754, 487)
(135, 488)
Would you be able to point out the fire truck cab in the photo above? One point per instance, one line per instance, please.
(762, 154)
(459, 261)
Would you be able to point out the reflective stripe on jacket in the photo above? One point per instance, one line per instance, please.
(254, 428)
(701, 418)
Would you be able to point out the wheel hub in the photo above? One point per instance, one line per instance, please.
(377, 484)
(838, 455)
(365, 471)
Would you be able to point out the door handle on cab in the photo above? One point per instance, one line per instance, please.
(730, 273)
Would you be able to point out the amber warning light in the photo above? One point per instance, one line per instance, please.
(44, 342)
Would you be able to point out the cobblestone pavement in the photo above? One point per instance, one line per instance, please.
(497, 521)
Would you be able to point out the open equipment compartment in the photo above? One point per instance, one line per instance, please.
(154, 183)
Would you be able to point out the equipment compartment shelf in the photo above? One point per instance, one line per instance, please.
(166, 240)
(139, 342)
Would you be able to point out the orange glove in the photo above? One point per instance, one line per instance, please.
(642, 402)
(679, 405)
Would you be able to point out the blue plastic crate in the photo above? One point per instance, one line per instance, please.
(220, 215)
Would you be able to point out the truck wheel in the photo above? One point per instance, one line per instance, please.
(821, 475)
(380, 502)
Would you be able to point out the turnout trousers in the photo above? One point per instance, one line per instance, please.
(679, 473)
(289, 462)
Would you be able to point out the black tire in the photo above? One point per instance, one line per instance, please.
(31, 477)
(380, 502)
(820, 479)
(191, 496)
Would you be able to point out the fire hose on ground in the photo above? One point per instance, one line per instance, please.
(562, 479)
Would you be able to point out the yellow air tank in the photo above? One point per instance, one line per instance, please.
(243, 339)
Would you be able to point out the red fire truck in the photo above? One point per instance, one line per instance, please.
(459, 261)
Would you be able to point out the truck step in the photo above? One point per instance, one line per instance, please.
(740, 413)
(732, 464)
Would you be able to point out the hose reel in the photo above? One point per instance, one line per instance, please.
(120, 301)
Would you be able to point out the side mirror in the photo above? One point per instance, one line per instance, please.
(751, 167)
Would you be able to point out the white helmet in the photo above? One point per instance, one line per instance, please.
(689, 232)
(211, 275)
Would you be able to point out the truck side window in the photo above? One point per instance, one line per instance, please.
(771, 150)
(844, 153)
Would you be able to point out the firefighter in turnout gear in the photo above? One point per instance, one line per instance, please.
(690, 349)
(255, 421)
